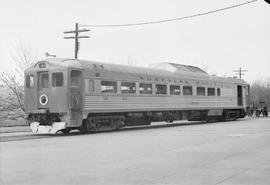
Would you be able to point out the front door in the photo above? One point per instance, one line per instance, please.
(75, 87)
(43, 90)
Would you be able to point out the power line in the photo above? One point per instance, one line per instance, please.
(76, 37)
(168, 20)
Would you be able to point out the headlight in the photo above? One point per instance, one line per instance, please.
(43, 99)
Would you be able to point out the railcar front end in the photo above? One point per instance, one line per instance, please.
(52, 99)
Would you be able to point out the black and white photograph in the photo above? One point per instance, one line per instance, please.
(125, 92)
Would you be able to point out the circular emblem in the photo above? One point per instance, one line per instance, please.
(43, 99)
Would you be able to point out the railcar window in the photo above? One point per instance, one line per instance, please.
(175, 90)
(200, 91)
(218, 91)
(57, 79)
(187, 90)
(108, 87)
(75, 78)
(210, 91)
(161, 89)
(128, 87)
(247, 90)
(29, 81)
(145, 88)
(45, 80)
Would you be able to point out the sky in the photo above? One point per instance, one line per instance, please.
(219, 42)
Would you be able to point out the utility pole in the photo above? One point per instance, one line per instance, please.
(240, 72)
(76, 37)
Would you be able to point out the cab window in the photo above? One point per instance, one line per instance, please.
(29, 81)
(45, 80)
(75, 78)
(57, 79)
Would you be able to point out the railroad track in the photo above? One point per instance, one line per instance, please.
(27, 135)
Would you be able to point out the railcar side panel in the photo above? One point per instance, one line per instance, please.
(30, 89)
(120, 103)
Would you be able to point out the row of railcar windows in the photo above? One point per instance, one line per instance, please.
(160, 89)
(57, 80)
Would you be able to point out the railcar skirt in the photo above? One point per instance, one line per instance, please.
(47, 129)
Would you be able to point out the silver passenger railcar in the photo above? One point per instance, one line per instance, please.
(67, 94)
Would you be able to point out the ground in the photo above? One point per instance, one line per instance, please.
(223, 153)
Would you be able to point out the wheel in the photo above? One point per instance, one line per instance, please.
(114, 125)
(83, 128)
(118, 125)
(91, 126)
(258, 113)
(65, 131)
(94, 127)
(169, 120)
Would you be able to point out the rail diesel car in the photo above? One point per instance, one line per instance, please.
(67, 94)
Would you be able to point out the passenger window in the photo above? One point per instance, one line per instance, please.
(128, 87)
(108, 87)
(75, 78)
(145, 88)
(45, 80)
(187, 90)
(175, 90)
(57, 79)
(200, 91)
(29, 81)
(218, 91)
(161, 89)
(210, 91)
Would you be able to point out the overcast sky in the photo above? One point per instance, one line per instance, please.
(220, 42)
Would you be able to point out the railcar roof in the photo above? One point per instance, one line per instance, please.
(173, 67)
(161, 69)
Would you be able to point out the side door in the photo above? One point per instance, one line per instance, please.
(239, 95)
(247, 97)
(59, 91)
(43, 90)
(75, 97)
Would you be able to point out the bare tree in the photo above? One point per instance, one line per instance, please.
(21, 59)
(260, 92)
(14, 86)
